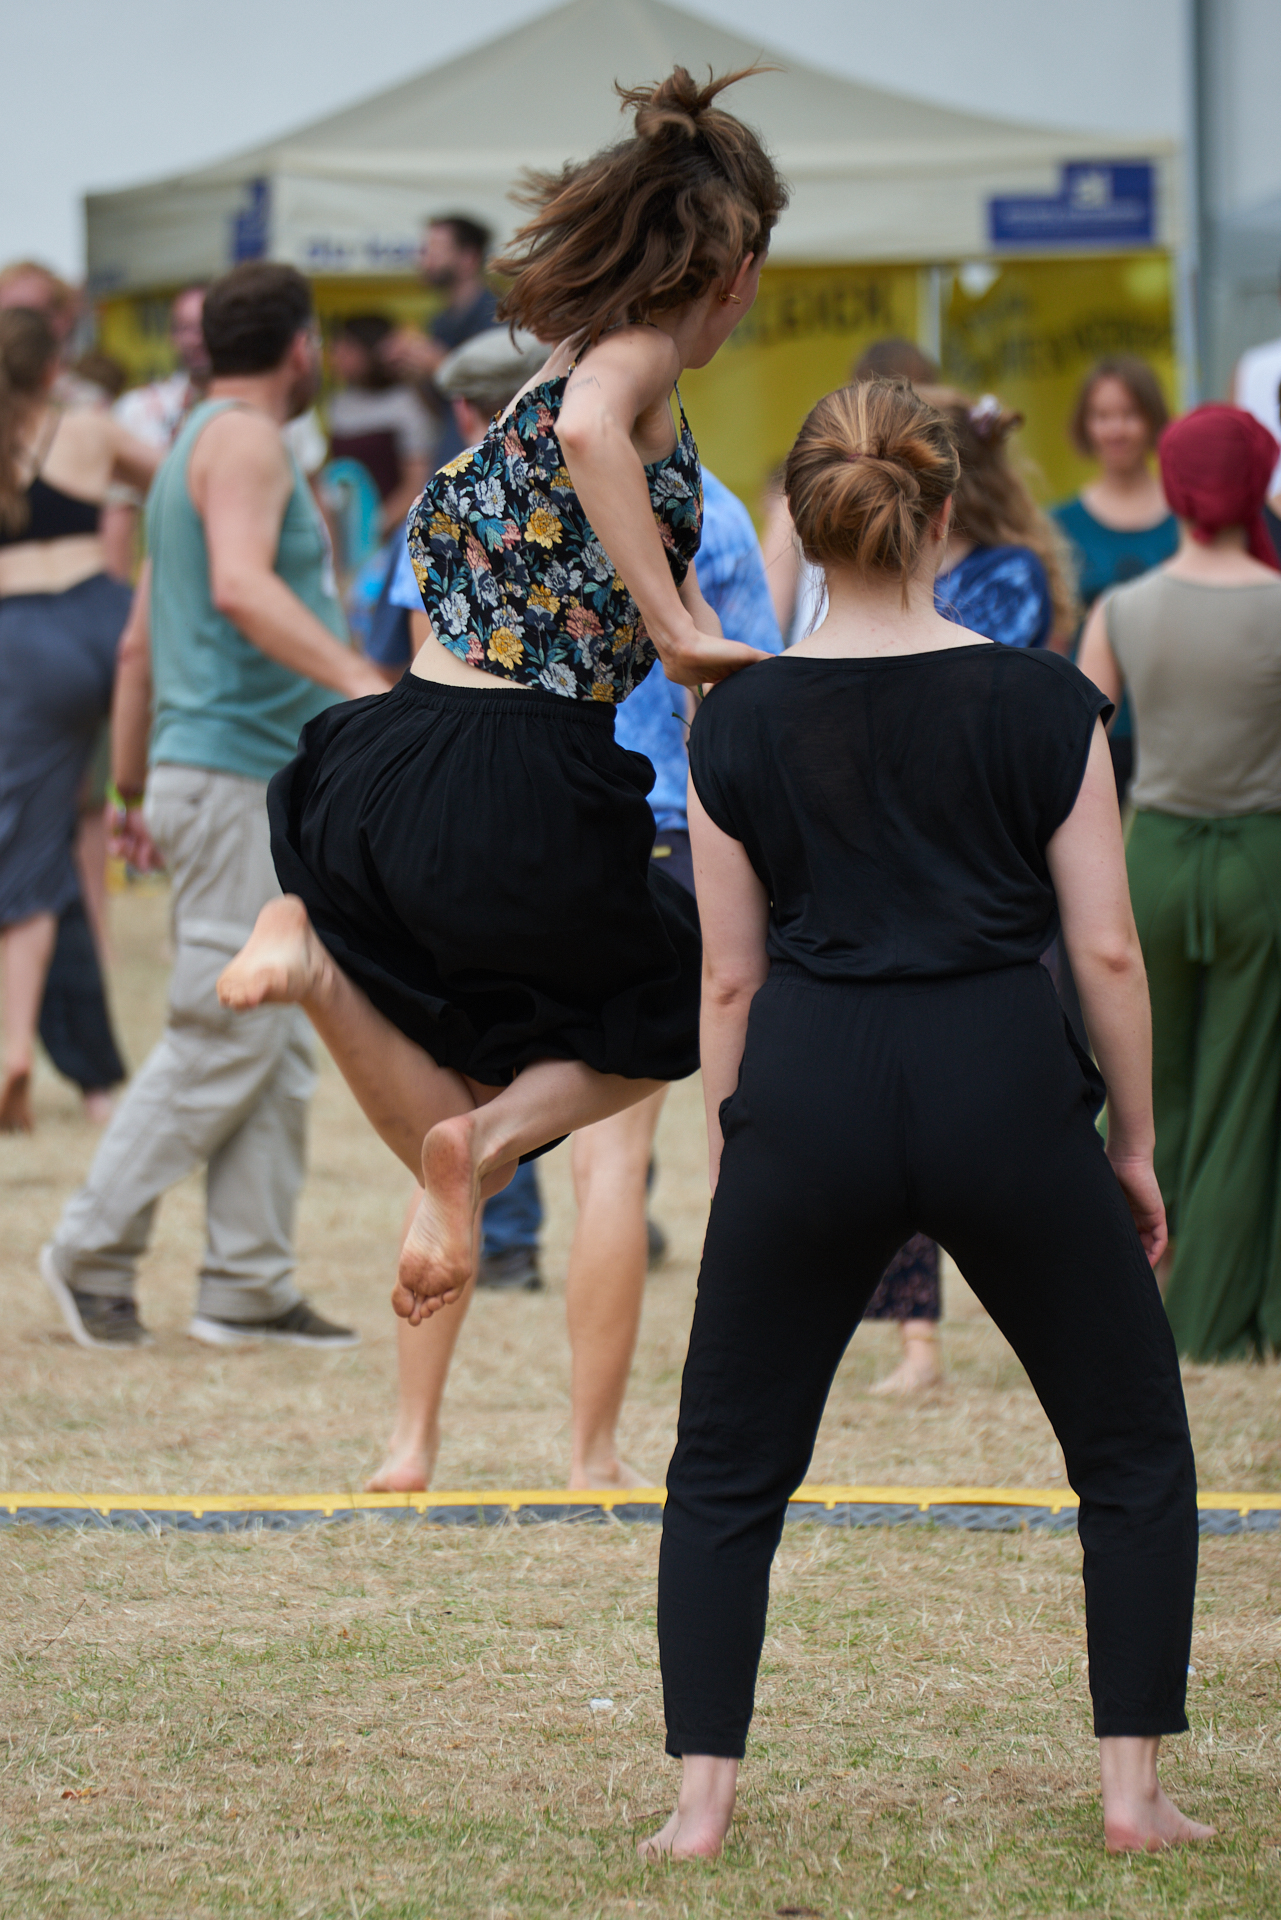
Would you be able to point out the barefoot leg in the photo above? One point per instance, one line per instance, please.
(606, 1283)
(399, 1086)
(27, 950)
(1137, 1816)
(703, 1813)
(919, 1369)
(461, 1156)
(423, 1356)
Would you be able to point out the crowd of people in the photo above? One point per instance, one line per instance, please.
(611, 790)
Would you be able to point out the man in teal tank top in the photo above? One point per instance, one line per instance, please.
(246, 643)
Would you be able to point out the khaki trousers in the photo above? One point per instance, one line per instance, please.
(227, 1091)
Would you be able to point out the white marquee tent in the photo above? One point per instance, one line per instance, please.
(874, 175)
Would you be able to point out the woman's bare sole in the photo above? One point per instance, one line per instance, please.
(438, 1256)
(282, 960)
(15, 1103)
(405, 1470)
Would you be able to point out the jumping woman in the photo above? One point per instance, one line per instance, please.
(888, 824)
(470, 920)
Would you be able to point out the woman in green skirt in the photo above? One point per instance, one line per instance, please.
(1198, 644)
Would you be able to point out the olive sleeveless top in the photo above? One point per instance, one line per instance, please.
(512, 576)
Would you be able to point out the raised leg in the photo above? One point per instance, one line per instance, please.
(28, 949)
(605, 1285)
(467, 1158)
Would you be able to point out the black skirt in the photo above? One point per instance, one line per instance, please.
(478, 863)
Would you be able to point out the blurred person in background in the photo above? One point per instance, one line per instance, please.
(1256, 386)
(38, 289)
(1198, 643)
(1004, 571)
(452, 260)
(61, 617)
(237, 634)
(611, 1160)
(376, 418)
(154, 413)
(1120, 525)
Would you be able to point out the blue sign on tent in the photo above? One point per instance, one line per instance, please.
(1099, 203)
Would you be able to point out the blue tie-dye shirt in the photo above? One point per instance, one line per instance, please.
(1000, 592)
(731, 575)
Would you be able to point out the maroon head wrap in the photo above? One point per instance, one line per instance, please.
(1215, 466)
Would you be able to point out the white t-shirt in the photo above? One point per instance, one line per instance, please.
(395, 410)
(153, 414)
(1257, 381)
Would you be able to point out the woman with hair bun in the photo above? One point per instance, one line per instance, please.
(888, 823)
(470, 916)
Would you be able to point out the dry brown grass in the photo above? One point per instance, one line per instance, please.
(179, 1418)
(394, 1721)
(382, 1722)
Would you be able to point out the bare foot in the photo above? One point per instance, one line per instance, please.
(917, 1372)
(282, 960)
(438, 1255)
(697, 1829)
(606, 1476)
(407, 1469)
(15, 1103)
(1137, 1815)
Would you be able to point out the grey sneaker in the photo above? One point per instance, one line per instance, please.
(93, 1319)
(301, 1326)
(514, 1270)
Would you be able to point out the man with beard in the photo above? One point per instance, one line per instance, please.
(451, 260)
(237, 640)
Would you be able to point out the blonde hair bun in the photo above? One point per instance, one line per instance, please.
(869, 473)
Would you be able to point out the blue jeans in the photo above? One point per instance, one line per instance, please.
(513, 1217)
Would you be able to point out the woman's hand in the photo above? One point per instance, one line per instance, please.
(1143, 1197)
(695, 659)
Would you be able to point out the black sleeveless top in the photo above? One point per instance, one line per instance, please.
(513, 577)
(54, 515)
(898, 810)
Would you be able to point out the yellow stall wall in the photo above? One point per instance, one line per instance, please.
(1025, 329)
(808, 327)
(1035, 331)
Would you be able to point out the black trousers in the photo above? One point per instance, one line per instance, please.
(864, 1114)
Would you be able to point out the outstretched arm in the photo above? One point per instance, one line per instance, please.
(734, 910)
(626, 382)
(1087, 865)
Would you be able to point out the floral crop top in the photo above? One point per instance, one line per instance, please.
(511, 574)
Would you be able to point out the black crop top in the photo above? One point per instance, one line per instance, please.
(54, 515)
(898, 810)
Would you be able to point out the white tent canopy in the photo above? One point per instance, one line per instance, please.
(874, 175)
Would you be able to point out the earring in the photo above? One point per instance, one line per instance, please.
(727, 297)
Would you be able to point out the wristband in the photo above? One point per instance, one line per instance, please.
(124, 802)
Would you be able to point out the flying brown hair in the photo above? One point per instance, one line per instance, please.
(647, 225)
(28, 348)
(871, 468)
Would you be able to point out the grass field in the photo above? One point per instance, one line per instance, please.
(375, 1721)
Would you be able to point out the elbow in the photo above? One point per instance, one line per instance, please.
(1112, 960)
(230, 595)
(730, 988)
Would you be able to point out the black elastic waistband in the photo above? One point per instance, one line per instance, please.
(792, 974)
(530, 701)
